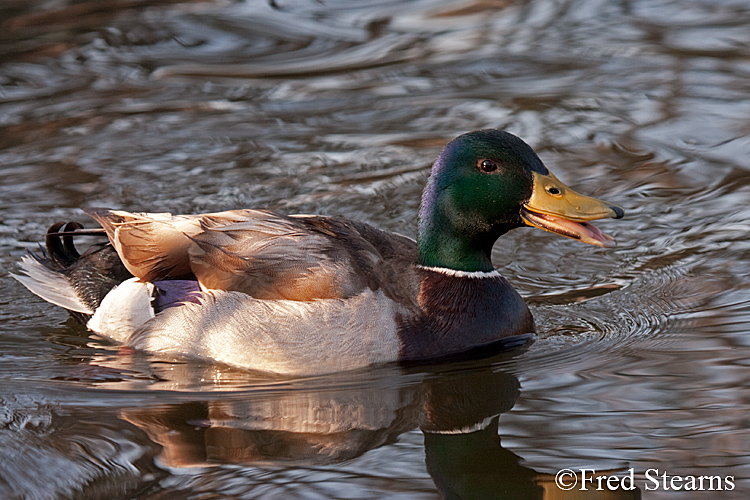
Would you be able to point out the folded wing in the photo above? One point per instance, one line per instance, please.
(265, 255)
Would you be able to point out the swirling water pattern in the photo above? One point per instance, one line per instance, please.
(338, 108)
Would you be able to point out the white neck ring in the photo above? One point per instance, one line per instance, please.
(461, 274)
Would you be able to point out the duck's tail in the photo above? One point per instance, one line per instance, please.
(64, 277)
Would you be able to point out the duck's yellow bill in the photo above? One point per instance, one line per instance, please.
(555, 207)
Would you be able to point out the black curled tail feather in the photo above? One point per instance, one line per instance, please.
(61, 275)
(95, 272)
(59, 242)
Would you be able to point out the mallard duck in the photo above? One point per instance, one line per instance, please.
(308, 294)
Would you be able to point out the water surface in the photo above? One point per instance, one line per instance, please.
(339, 107)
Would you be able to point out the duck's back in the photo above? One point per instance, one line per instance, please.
(263, 254)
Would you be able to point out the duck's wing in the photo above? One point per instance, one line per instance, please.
(263, 254)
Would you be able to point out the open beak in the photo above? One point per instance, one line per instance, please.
(555, 207)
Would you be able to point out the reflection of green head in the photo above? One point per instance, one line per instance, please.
(466, 463)
(475, 466)
(476, 190)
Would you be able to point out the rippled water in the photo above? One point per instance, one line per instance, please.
(339, 108)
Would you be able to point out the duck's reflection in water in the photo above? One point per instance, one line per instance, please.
(458, 413)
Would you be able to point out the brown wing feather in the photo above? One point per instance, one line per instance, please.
(155, 246)
(265, 255)
(272, 257)
(151, 246)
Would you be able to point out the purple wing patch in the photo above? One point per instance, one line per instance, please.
(173, 293)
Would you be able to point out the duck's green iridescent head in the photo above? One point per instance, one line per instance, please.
(485, 183)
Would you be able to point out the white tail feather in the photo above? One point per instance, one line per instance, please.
(123, 310)
(50, 285)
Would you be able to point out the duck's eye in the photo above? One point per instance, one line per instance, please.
(553, 190)
(487, 166)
